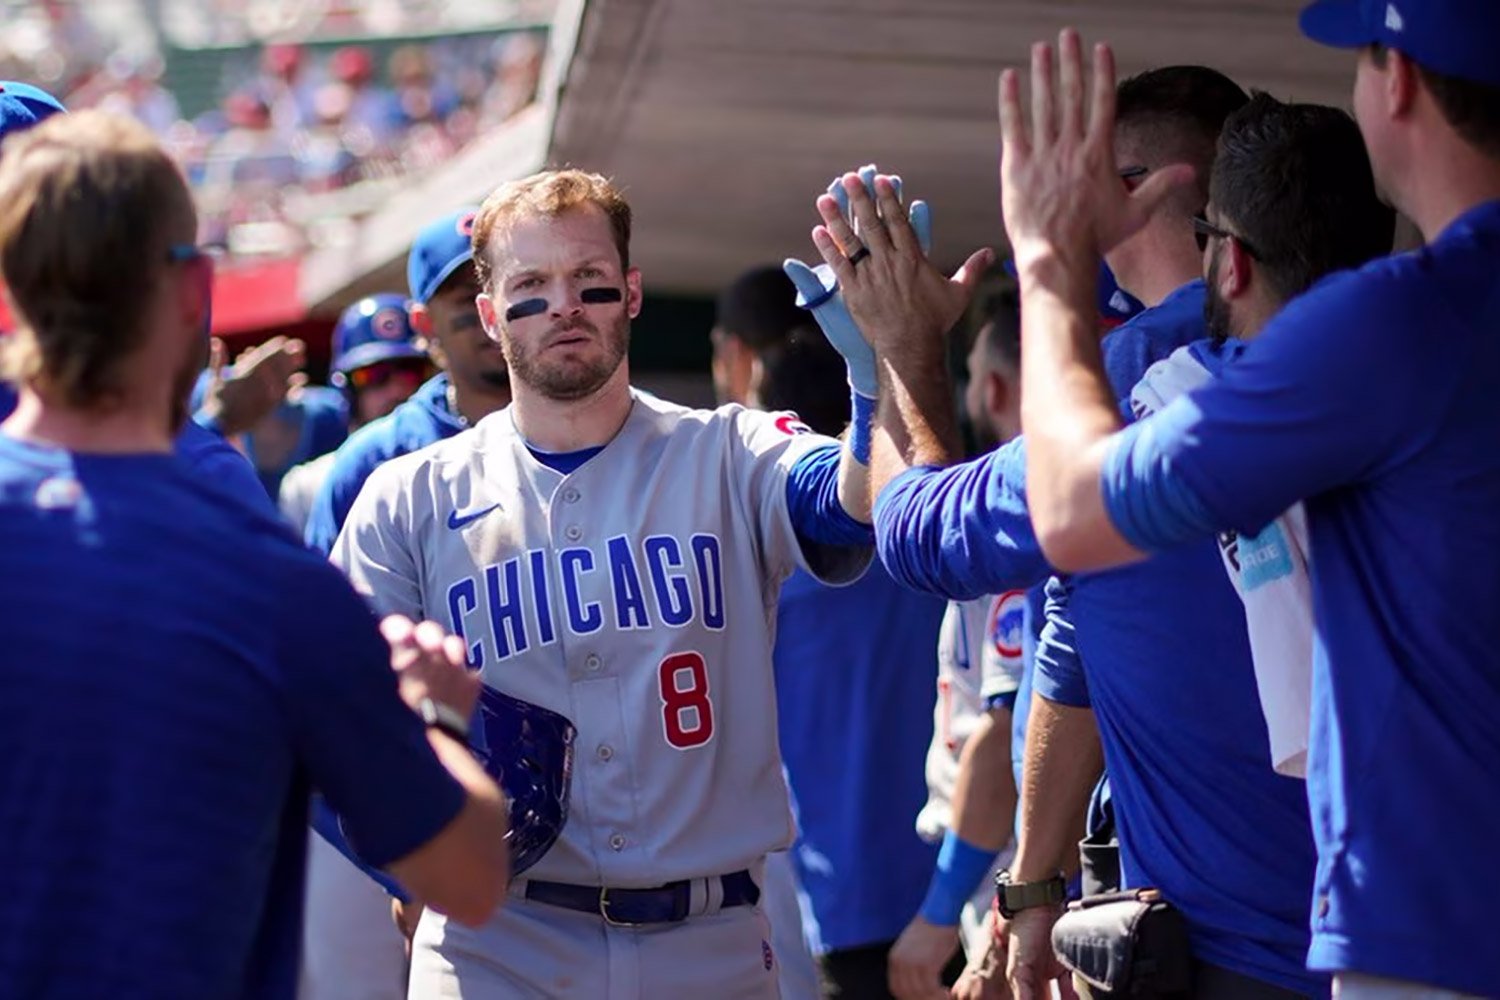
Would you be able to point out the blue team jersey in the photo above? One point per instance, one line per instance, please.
(1159, 650)
(856, 668)
(321, 415)
(1376, 397)
(179, 672)
(422, 420)
(213, 459)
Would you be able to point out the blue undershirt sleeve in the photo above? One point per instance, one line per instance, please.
(812, 501)
(962, 531)
(1059, 676)
(1151, 506)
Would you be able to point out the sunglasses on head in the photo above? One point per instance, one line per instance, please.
(1203, 231)
(381, 373)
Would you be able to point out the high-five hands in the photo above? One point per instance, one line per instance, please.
(1060, 187)
(890, 288)
(818, 290)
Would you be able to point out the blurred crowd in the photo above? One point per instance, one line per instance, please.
(303, 135)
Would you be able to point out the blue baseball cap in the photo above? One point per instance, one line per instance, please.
(440, 249)
(22, 106)
(1458, 38)
(373, 329)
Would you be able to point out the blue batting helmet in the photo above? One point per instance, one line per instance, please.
(528, 750)
(373, 329)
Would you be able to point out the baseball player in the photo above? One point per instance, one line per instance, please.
(351, 948)
(615, 559)
(378, 364)
(971, 797)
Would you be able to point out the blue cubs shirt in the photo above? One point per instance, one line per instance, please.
(1160, 651)
(1376, 398)
(179, 673)
(856, 668)
(422, 420)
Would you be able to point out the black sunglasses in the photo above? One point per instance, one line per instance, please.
(1203, 231)
(1133, 173)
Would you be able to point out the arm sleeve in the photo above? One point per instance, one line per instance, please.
(1327, 396)
(769, 447)
(352, 465)
(366, 752)
(1059, 673)
(374, 549)
(812, 500)
(962, 531)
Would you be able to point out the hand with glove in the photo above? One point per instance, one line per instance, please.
(818, 291)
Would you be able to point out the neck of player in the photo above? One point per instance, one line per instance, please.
(133, 425)
(564, 425)
(477, 399)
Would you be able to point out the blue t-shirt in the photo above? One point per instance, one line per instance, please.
(179, 673)
(1167, 661)
(855, 673)
(215, 460)
(422, 420)
(1376, 397)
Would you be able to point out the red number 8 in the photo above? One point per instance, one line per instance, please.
(687, 714)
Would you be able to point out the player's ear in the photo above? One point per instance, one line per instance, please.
(633, 292)
(421, 319)
(1235, 271)
(489, 318)
(996, 393)
(1400, 83)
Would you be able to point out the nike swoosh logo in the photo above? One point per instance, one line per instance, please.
(455, 521)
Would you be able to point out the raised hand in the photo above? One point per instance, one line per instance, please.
(1060, 189)
(890, 288)
(818, 291)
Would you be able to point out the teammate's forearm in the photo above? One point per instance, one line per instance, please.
(854, 486)
(984, 794)
(1062, 764)
(464, 870)
(1067, 405)
(915, 423)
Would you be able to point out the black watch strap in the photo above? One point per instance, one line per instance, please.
(1013, 897)
(438, 716)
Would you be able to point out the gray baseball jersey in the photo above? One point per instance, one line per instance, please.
(637, 596)
(979, 659)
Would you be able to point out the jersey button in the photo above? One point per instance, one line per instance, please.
(573, 532)
(606, 751)
(571, 495)
(592, 662)
(617, 842)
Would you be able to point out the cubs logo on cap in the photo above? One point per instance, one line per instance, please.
(466, 224)
(389, 324)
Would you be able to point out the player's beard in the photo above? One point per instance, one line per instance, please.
(568, 380)
(1216, 314)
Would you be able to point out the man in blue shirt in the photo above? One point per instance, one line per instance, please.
(474, 381)
(170, 652)
(1374, 400)
(215, 461)
(1164, 645)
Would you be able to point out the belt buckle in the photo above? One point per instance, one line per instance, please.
(604, 911)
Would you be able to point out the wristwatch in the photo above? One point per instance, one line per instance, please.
(1013, 897)
(438, 716)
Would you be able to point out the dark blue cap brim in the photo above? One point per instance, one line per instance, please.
(1336, 23)
(369, 354)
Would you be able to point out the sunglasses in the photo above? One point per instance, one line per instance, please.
(1203, 231)
(412, 370)
(188, 253)
(1133, 173)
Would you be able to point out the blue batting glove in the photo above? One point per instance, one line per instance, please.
(818, 291)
